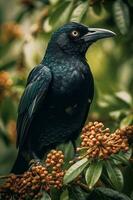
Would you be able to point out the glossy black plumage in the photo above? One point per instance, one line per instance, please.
(58, 94)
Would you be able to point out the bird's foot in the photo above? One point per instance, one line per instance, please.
(74, 146)
(76, 155)
(34, 162)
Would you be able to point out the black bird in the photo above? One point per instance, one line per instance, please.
(58, 94)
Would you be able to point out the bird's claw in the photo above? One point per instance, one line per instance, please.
(34, 162)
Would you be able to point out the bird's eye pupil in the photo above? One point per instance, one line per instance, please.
(75, 33)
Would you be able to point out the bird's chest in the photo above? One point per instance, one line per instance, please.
(69, 83)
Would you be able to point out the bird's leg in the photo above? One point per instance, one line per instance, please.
(74, 146)
(35, 159)
(76, 154)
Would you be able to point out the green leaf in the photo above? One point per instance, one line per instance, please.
(127, 154)
(131, 195)
(115, 175)
(126, 121)
(107, 100)
(120, 159)
(76, 193)
(79, 12)
(128, 179)
(126, 72)
(64, 195)
(45, 196)
(97, 8)
(102, 193)
(75, 170)
(54, 2)
(116, 114)
(3, 133)
(124, 96)
(55, 193)
(8, 109)
(121, 16)
(6, 66)
(130, 2)
(59, 15)
(68, 150)
(58, 11)
(93, 173)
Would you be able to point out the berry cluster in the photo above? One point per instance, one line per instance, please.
(100, 143)
(54, 162)
(126, 131)
(5, 83)
(36, 179)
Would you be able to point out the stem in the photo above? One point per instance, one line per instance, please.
(7, 176)
(82, 185)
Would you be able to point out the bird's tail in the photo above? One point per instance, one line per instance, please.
(20, 165)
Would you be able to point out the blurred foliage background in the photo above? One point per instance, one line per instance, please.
(25, 29)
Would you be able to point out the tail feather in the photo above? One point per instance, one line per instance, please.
(20, 165)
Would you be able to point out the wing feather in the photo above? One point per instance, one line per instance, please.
(35, 92)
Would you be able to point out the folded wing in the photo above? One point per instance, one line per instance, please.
(35, 92)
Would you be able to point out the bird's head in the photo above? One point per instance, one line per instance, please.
(75, 38)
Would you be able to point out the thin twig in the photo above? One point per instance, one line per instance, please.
(82, 185)
(7, 176)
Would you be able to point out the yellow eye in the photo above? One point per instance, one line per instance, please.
(74, 33)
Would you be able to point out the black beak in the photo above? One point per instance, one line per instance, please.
(95, 34)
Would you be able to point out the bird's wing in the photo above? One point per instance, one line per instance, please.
(35, 92)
